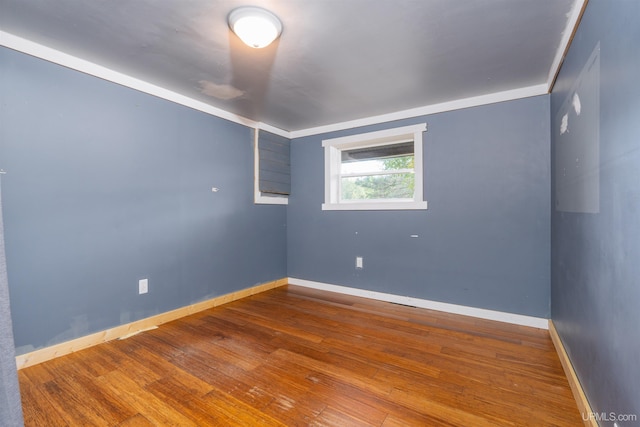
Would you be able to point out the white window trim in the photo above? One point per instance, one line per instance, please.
(332, 160)
(260, 198)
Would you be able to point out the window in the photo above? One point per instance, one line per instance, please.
(375, 171)
(271, 168)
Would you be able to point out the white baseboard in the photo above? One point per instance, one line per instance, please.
(500, 316)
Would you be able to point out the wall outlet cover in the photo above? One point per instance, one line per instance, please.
(143, 286)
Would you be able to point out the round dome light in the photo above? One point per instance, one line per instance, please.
(255, 26)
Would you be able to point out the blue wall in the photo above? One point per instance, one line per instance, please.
(483, 242)
(107, 185)
(595, 269)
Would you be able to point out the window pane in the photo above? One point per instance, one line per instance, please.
(378, 165)
(388, 186)
(381, 170)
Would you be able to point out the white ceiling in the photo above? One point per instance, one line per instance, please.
(336, 61)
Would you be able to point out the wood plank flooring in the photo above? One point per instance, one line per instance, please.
(296, 357)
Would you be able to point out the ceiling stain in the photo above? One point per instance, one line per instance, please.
(223, 91)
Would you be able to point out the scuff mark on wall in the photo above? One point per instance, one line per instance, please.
(576, 103)
(564, 124)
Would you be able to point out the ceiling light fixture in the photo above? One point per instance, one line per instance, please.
(255, 26)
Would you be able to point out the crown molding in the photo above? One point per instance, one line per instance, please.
(491, 98)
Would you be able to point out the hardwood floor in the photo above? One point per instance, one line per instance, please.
(295, 356)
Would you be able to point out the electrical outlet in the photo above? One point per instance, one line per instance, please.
(359, 262)
(143, 286)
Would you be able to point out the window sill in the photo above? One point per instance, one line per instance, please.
(374, 206)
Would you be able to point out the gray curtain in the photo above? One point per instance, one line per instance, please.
(10, 404)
